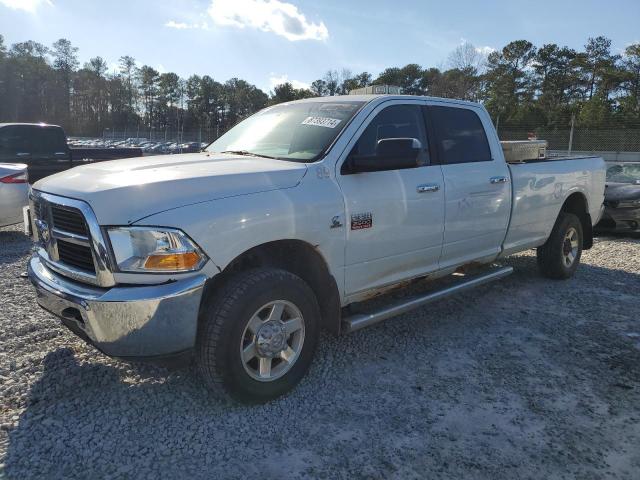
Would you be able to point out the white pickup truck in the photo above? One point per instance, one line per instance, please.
(239, 255)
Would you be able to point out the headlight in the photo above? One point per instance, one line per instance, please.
(149, 249)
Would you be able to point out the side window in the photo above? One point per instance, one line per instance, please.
(4, 141)
(14, 140)
(48, 140)
(395, 121)
(460, 135)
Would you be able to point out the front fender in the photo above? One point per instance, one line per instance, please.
(226, 228)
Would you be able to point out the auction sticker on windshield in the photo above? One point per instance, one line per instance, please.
(321, 122)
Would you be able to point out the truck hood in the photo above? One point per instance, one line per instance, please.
(124, 191)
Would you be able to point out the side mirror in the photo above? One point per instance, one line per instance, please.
(398, 147)
(391, 154)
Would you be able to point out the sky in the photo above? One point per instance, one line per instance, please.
(267, 42)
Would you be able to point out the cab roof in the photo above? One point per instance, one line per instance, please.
(27, 124)
(369, 98)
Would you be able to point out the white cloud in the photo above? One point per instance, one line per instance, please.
(275, 80)
(27, 5)
(178, 25)
(485, 50)
(184, 25)
(274, 16)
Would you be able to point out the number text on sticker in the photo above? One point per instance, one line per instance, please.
(321, 122)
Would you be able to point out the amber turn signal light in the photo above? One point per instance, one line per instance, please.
(173, 261)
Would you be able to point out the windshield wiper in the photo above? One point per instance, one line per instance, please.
(246, 153)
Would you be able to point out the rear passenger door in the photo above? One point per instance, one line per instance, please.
(476, 183)
(50, 153)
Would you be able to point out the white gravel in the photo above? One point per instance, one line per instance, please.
(524, 378)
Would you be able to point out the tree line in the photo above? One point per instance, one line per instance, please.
(521, 85)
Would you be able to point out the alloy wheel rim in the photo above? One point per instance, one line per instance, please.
(272, 340)
(570, 247)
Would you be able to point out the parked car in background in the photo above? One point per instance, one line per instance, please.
(44, 149)
(149, 147)
(14, 192)
(190, 147)
(622, 198)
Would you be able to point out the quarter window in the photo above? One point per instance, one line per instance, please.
(460, 135)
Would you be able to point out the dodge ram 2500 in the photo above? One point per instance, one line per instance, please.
(239, 255)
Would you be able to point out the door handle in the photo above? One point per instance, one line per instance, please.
(22, 154)
(495, 180)
(428, 187)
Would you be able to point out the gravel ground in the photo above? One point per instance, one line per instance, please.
(524, 378)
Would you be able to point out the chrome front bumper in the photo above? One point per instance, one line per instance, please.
(127, 321)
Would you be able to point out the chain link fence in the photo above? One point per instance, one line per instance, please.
(616, 144)
(201, 135)
(613, 143)
(583, 139)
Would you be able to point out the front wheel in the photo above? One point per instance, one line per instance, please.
(258, 335)
(559, 257)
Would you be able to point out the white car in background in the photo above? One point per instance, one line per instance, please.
(14, 192)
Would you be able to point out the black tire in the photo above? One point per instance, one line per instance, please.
(552, 260)
(223, 322)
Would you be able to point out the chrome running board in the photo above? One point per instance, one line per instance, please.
(362, 320)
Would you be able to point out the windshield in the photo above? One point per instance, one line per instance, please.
(293, 131)
(624, 173)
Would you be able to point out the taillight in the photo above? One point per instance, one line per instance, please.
(15, 178)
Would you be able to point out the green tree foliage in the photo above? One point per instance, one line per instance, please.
(509, 89)
(38, 84)
(630, 83)
(521, 85)
(65, 63)
(408, 77)
(286, 92)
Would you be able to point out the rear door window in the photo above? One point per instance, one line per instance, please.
(48, 140)
(460, 135)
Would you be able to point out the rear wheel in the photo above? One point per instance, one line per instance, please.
(258, 335)
(560, 256)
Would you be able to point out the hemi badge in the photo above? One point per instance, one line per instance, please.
(361, 220)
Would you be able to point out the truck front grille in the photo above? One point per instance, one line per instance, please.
(78, 256)
(69, 220)
(66, 242)
(71, 234)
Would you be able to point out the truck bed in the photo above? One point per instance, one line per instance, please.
(539, 187)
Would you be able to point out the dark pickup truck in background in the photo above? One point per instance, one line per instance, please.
(45, 151)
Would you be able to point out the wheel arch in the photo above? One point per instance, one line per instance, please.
(577, 204)
(295, 256)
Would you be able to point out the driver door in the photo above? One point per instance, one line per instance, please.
(394, 218)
